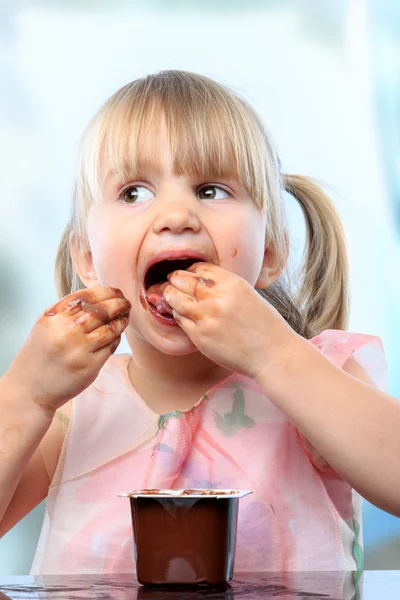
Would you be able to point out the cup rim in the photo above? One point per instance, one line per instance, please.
(185, 493)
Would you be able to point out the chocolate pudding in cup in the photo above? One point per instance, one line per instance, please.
(184, 537)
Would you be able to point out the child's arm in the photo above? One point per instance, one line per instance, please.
(353, 425)
(23, 478)
(31, 484)
(62, 356)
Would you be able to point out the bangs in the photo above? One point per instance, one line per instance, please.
(212, 133)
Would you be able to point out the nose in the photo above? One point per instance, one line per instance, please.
(177, 215)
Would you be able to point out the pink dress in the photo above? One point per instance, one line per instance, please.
(301, 516)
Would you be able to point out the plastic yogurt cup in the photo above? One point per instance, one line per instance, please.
(184, 537)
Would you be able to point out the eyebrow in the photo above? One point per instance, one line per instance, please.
(146, 167)
(143, 169)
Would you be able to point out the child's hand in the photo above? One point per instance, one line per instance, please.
(226, 319)
(69, 344)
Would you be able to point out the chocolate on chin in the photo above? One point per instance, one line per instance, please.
(185, 537)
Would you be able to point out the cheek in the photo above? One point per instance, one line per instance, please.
(109, 264)
(113, 250)
(242, 247)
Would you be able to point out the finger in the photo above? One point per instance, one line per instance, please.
(185, 305)
(204, 269)
(186, 324)
(72, 302)
(191, 283)
(107, 334)
(105, 352)
(92, 316)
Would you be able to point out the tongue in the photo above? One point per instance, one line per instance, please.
(154, 297)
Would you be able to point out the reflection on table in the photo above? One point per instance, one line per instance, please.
(368, 585)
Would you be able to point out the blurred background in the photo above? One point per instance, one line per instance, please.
(325, 77)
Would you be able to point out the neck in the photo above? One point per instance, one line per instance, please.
(155, 374)
(150, 363)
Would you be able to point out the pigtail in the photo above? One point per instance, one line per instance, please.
(323, 295)
(66, 278)
(279, 295)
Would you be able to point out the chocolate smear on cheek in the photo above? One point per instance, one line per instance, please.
(234, 253)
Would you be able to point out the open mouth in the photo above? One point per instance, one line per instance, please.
(156, 276)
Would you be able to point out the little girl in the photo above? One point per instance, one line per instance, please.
(177, 237)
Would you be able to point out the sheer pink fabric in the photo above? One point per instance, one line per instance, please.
(300, 517)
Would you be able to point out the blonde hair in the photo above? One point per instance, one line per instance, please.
(214, 132)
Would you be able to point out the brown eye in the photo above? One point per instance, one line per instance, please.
(135, 194)
(212, 192)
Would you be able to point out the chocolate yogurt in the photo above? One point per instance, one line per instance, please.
(184, 537)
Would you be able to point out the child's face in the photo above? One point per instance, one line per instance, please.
(162, 212)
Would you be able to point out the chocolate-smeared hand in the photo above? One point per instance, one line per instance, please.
(225, 317)
(69, 344)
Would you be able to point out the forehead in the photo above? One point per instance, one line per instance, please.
(153, 147)
(159, 146)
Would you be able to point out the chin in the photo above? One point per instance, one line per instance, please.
(174, 342)
(181, 346)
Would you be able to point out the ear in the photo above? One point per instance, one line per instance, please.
(272, 266)
(83, 262)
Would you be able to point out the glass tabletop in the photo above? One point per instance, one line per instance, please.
(367, 585)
